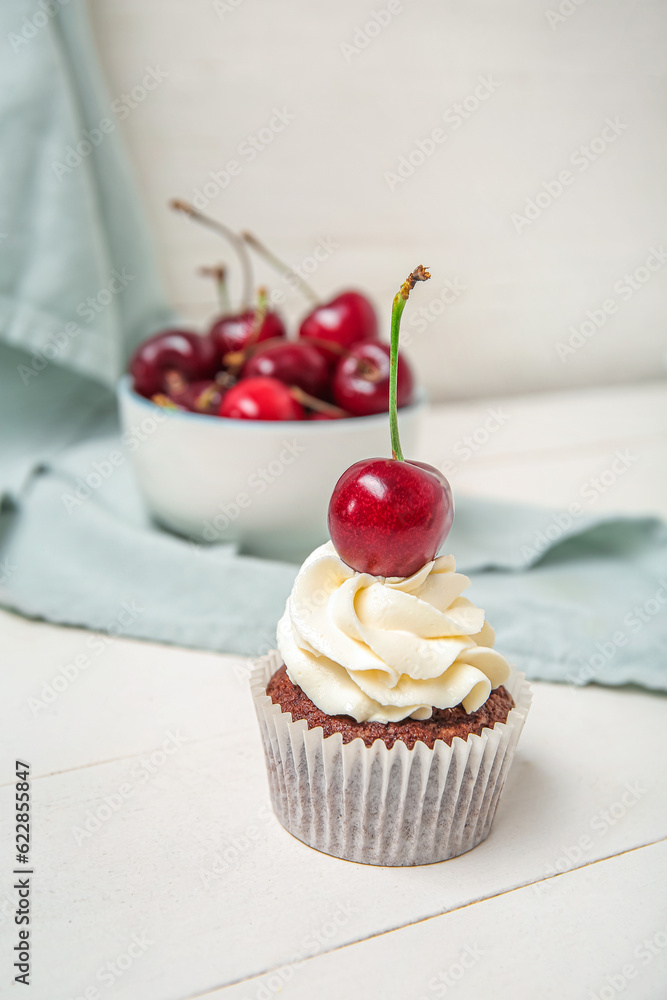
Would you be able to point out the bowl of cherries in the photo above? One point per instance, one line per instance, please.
(240, 433)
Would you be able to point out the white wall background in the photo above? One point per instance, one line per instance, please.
(557, 78)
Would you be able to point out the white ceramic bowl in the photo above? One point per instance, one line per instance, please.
(263, 484)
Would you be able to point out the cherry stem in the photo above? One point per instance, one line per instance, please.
(235, 360)
(184, 206)
(174, 381)
(281, 266)
(261, 310)
(206, 397)
(330, 345)
(225, 380)
(219, 273)
(165, 402)
(401, 297)
(368, 370)
(313, 403)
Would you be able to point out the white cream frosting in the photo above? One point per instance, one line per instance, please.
(382, 649)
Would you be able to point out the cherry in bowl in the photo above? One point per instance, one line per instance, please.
(361, 380)
(260, 398)
(190, 354)
(297, 364)
(343, 322)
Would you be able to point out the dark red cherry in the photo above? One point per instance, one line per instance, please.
(343, 321)
(326, 416)
(190, 354)
(361, 380)
(232, 333)
(202, 396)
(260, 398)
(293, 364)
(389, 517)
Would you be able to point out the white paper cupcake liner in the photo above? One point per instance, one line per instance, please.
(381, 806)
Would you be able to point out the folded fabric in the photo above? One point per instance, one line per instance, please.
(575, 600)
(78, 282)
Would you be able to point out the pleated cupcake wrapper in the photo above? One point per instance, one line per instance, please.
(383, 806)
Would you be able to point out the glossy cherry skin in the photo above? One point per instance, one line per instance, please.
(191, 355)
(232, 333)
(202, 396)
(361, 380)
(293, 364)
(344, 321)
(389, 518)
(260, 398)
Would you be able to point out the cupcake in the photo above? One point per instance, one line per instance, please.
(389, 721)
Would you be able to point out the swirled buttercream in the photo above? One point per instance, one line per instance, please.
(384, 649)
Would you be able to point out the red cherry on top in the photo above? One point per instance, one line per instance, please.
(389, 518)
(344, 321)
(190, 354)
(291, 363)
(260, 398)
(361, 380)
(232, 333)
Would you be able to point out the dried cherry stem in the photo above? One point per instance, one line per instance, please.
(313, 403)
(174, 381)
(165, 402)
(234, 360)
(206, 397)
(205, 220)
(225, 380)
(219, 273)
(401, 297)
(368, 370)
(261, 310)
(282, 267)
(329, 344)
(238, 357)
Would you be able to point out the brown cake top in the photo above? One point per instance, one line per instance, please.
(445, 723)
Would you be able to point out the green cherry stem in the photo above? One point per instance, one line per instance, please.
(235, 360)
(218, 272)
(205, 220)
(261, 310)
(401, 297)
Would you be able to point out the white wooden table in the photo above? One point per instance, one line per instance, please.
(161, 874)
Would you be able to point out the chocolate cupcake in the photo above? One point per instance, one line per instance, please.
(389, 722)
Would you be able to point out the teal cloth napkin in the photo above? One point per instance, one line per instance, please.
(575, 601)
(78, 283)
